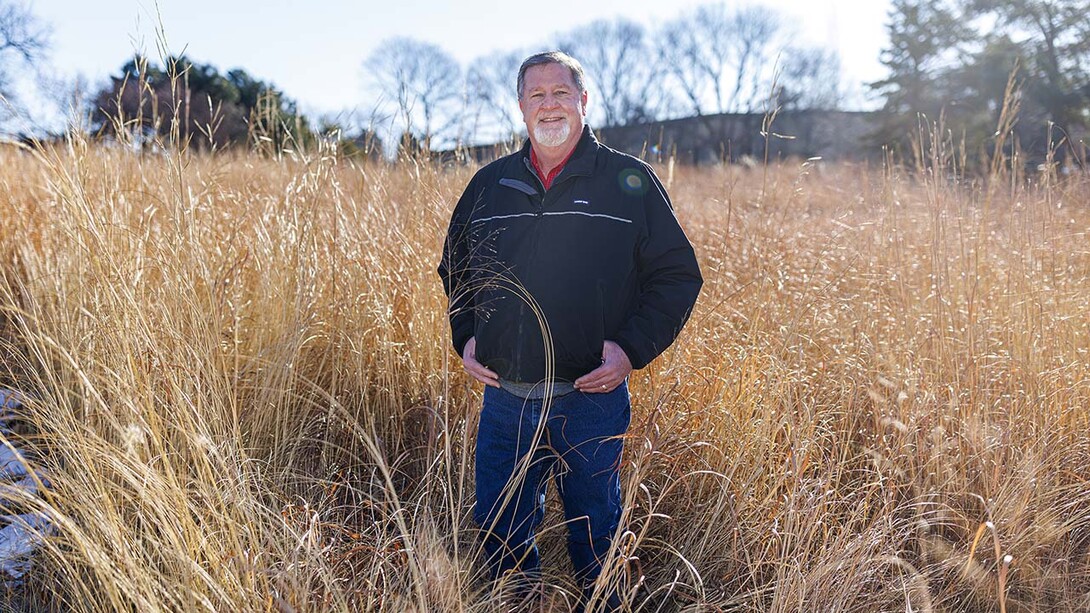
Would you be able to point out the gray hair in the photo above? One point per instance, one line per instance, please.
(553, 57)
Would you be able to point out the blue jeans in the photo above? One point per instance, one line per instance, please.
(580, 444)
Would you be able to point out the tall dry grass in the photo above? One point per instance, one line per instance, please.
(243, 392)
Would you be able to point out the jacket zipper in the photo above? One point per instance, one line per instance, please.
(544, 192)
(539, 208)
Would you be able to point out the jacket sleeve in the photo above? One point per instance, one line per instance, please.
(669, 281)
(454, 269)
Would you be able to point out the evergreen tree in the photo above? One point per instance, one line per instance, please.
(924, 39)
(956, 59)
(1050, 39)
(195, 105)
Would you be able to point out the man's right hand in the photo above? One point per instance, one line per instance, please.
(475, 369)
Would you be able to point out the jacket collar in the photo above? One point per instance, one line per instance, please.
(580, 164)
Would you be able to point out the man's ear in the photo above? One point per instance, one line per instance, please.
(584, 100)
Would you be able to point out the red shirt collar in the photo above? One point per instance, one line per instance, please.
(547, 181)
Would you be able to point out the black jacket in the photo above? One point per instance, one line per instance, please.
(599, 256)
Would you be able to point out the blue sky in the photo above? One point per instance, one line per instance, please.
(313, 50)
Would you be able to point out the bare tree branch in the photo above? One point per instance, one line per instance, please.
(811, 79)
(618, 60)
(492, 101)
(23, 41)
(721, 60)
(424, 82)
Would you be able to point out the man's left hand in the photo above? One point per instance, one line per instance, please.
(615, 367)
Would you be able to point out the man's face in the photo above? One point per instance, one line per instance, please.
(552, 107)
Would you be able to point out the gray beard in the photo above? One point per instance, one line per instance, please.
(552, 136)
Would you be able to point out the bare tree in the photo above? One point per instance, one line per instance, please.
(424, 82)
(756, 43)
(492, 102)
(23, 41)
(720, 60)
(680, 55)
(618, 60)
(810, 79)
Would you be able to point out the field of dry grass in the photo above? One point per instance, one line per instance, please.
(242, 391)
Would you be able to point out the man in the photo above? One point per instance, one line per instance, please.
(565, 268)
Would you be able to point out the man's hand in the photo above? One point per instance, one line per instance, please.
(475, 369)
(615, 367)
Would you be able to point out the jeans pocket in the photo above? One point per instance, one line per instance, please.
(613, 408)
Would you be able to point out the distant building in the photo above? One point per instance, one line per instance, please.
(734, 137)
